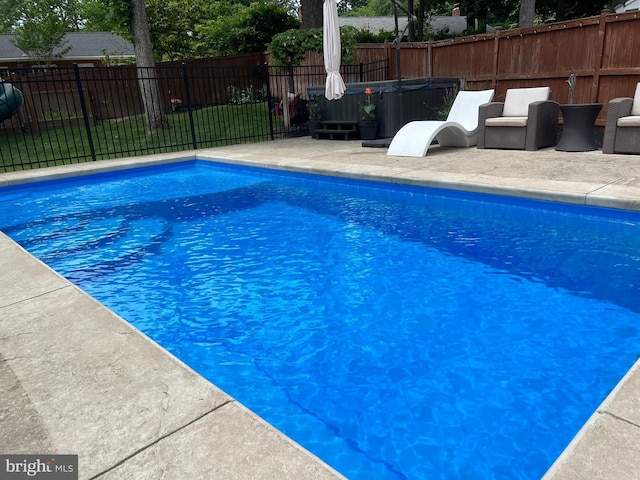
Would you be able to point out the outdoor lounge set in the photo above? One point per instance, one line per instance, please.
(526, 120)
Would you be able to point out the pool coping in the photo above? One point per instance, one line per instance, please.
(606, 447)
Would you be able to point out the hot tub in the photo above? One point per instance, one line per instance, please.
(421, 98)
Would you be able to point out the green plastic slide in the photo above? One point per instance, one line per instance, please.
(10, 101)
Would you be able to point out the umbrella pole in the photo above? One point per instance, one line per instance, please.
(398, 38)
(396, 41)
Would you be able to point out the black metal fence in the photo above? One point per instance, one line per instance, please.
(73, 115)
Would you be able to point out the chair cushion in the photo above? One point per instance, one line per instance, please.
(506, 122)
(517, 100)
(632, 121)
(635, 108)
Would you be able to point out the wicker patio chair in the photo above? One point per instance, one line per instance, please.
(526, 120)
(622, 130)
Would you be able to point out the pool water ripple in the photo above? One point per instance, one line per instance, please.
(393, 333)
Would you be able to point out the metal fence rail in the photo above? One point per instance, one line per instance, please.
(73, 115)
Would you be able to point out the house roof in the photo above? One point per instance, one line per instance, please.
(376, 24)
(84, 46)
(627, 6)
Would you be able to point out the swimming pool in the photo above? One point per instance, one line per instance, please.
(422, 331)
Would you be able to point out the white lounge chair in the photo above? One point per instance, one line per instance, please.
(458, 130)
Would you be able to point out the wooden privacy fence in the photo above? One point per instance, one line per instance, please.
(603, 52)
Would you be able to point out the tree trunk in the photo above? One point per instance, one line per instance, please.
(420, 29)
(527, 12)
(147, 81)
(411, 34)
(311, 14)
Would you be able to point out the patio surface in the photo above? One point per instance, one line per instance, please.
(77, 379)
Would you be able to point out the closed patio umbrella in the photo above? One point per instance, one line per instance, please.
(334, 88)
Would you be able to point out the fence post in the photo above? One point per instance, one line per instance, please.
(602, 35)
(387, 48)
(269, 100)
(32, 116)
(185, 77)
(361, 73)
(496, 53)
(85, 113)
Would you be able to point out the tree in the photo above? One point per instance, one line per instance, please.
(69, 12)
(569, 9)
(181, 29)
(154, 113)
(481, 13)
(11, 11)
(107, 16)
(14, 13)
(174, 24)
(311, 14)
(346, 6)
(41, 32)
(373, 8)
(129, 19)
(289, 48)
(237, 28)
(527, 13)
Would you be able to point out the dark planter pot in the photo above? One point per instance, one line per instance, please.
(368, 129)
(314, 126)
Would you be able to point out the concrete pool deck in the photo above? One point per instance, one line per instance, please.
(77, 379)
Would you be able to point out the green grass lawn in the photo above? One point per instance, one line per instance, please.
(213, 126)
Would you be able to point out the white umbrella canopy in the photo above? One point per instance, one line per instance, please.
(335, 87)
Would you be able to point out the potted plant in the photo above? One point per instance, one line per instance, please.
(176, 103)
(314, 117)
(368, 125)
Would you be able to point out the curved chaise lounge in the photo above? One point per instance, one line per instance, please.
(460, 129)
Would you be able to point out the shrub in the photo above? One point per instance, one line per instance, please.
(289, 48)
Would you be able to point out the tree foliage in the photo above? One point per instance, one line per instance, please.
(558, 10)
(506, 13)
(15, 12)
(40, 32)
(479, 13)
(182, 29)
(173, 26)
(179, 29)
(289, 48)
(237, 29)
(346, 7)
(373, 8)
(107, 16)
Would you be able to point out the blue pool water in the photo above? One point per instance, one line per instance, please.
(396, 332)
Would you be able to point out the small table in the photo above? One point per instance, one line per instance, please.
(577, 132)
